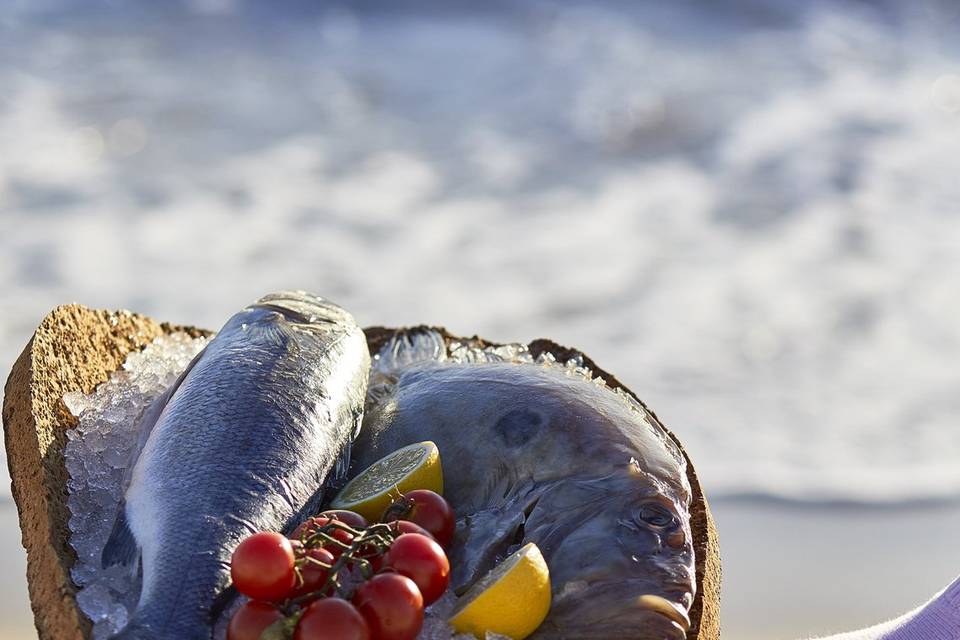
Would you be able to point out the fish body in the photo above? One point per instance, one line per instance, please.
(533, 454)
(243, 442)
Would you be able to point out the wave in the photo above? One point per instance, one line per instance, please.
(746, 211)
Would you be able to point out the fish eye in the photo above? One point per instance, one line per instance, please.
(656, 515)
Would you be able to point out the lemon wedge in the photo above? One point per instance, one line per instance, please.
(416, 466)
(512, 600)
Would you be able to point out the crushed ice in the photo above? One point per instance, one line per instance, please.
(428, 345)
(435, 625)
(97, 452)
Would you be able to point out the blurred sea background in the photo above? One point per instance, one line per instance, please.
(747, 210)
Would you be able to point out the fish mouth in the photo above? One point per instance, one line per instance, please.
(303, 307)
(646, 616)
(670, 610)
(499, 532)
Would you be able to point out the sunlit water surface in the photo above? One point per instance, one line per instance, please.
(747, 211)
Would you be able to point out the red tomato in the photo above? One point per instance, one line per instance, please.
(405, 526)
(313, 574)
(422, 560)
(427, 509)
(331, 619)
(349, 518)
(262, 566)
(392, 606)
(312, 525)
(251, 619)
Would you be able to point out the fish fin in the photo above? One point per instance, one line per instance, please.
(481, 538)
(487, 535)
(310, 508)
(276, 329)
(121, 547)
(221, 602)
(341, 466)
(334, 481)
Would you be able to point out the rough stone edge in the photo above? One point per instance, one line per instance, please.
(705, 612)
(73, 349)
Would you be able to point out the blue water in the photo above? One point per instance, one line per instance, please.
(747, 211)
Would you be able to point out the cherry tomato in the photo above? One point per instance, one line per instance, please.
(427, 509)
(392, 606)
(349, 518)
(405, 526)
(262, 566)
(422, 560)
(312, 525)
(331, 619)
(313, 574)
(249, 621)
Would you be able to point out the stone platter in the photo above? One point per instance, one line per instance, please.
(76, 349)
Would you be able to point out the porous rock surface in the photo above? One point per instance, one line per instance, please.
(76, 349)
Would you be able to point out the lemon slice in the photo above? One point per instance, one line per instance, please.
(512, 600)
(416, 466)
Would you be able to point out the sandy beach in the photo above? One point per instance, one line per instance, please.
(794, 572)
(790, 572)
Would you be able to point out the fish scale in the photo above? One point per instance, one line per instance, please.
(245, 440)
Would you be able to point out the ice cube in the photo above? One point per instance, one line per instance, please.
(82, 574)
(115, 457)
(94, 442)
(118, 617)
(76, 402)
(435, 628)
(435, 625)
(74, 464)
(95, 601)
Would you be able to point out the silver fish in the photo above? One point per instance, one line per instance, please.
(538, 454)
(243, 442)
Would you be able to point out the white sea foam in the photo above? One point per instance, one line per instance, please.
(746, 211)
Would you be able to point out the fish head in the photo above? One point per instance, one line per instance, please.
(301, 307)
(620, 554)
(278, 317)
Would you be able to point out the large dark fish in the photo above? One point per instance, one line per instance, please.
(537, 453)
(244, 441)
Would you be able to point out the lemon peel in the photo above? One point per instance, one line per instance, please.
(416, 466)
(511, 600)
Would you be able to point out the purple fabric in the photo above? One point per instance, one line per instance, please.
(938, 619)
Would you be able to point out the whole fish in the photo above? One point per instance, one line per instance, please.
(532, 453)
(244, 441)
